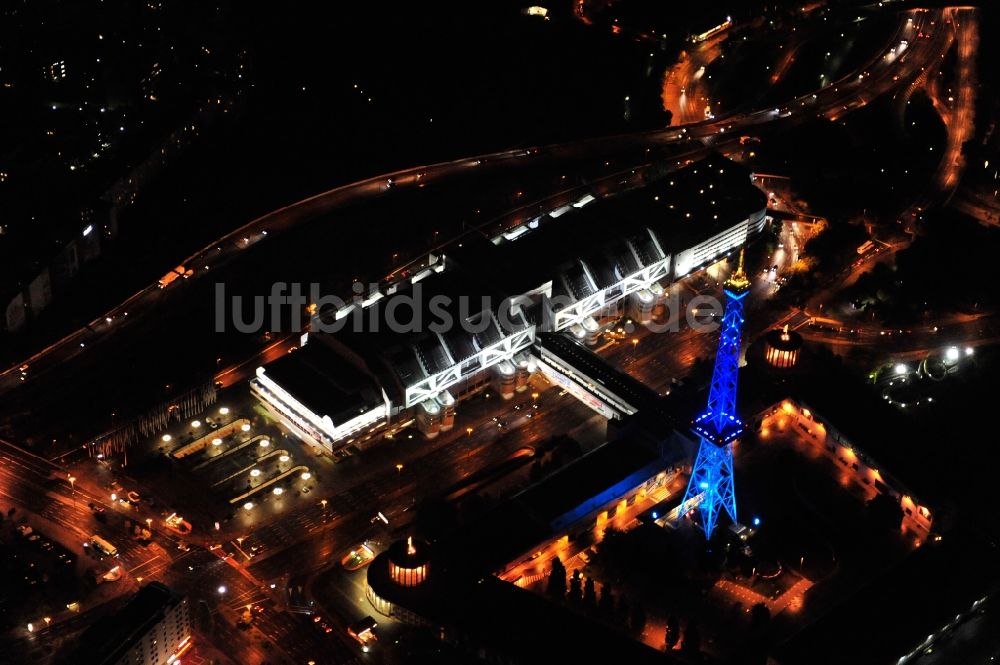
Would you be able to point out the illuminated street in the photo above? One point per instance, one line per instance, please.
(584, 332)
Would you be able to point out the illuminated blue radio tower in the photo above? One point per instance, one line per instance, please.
(718, 426)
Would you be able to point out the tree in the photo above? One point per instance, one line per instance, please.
(590, 594)
(760, 618)
(622, 610)
(637, 620)
(692, 638)
(885, 512)
(576, 587)
(673, 635)
(606, 605)
(436, 516)
(557, 579)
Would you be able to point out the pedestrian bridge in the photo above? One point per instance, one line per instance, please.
(589, 378)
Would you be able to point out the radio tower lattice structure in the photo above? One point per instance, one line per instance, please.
(711, 484)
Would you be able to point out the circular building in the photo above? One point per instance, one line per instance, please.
(408, 563)
(396, 579)
(782, 348)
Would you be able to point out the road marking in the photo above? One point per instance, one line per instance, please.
(147, 561)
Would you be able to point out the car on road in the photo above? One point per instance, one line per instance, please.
(357, 558)
(363, 632)
(183, 547)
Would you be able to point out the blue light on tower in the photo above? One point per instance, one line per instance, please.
(711, 483)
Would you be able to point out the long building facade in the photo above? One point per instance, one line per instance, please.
(567, 271)
(153, 628)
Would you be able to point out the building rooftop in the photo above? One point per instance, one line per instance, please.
(548, 507)
(893, 615)
(409, 553)
(111, 637)
(578, 253)
(590, 482)
(784, 340)
(325, 383)
(614, 235)
(858, 413)
(452, 316)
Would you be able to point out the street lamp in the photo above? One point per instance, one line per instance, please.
(399, 469)
(468, 430)
(221, 589)
(322, 503)
(72, 488)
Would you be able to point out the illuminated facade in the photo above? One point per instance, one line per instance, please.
(711, 486)
(712, 32)
(153, 628)
(563, 271)
(408, 568)
(319, 398)
(401, 571)
(783, 347)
